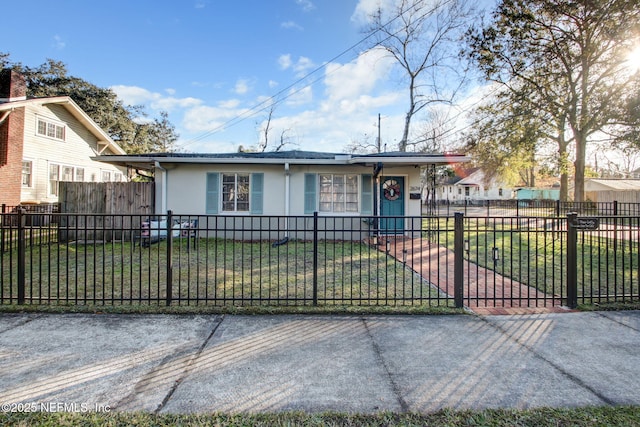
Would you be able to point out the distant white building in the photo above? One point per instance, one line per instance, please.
(470, 185)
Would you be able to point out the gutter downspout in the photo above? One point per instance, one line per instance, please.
(163, 186)
(377, 170)
(287, 206)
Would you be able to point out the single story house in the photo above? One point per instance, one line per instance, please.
(44, 141)
(289, 183)
(471, 185)
(610, 190)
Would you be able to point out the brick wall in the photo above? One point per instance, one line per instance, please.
(11, 144)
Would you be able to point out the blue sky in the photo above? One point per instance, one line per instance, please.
(214, 64)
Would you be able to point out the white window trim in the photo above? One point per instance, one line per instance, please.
(48, 122)
(358, 195)
(221, 195)
(30, 185)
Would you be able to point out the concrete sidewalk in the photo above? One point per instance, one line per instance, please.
(314, 363)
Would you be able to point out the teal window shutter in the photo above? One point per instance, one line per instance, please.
(257, 193)
(213, 190)
(366, 195)
(310, 189)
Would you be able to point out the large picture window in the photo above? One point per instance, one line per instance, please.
(338, 193)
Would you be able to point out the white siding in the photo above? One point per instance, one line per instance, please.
(75, 151)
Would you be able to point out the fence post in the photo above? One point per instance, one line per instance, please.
(558, 208)
(315, 258)
(169, 257)
(21, 257)
(572, 261)
(2, 221)
(458, 260)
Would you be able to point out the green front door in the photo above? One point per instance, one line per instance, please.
(392, 205)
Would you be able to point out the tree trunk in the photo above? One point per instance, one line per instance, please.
(578, 191)
(564, 167)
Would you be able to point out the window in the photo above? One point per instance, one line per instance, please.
(50, 129)
(235, 192)
(106, 176)
(63, 173)
(27, 168)
(500, 192)
(54, 178)
(459, 191)
(338, 193)
(466, 191)
(118, 177)
(67, 174)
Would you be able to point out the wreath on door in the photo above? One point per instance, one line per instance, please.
(391, 189)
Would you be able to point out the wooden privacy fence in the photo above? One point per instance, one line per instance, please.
(105, 198)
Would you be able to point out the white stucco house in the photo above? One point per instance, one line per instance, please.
(44, 141)
(470, 185)
(289, 183)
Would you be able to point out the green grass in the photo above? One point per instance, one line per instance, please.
(588, 416)
(535, 256)
(217, 272)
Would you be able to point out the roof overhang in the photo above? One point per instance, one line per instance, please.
(148, 161)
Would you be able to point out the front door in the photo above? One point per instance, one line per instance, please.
(392, 204)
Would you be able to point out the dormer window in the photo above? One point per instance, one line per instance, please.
(50, 129)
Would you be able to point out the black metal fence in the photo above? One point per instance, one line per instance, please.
(536, 208)
(319, 260)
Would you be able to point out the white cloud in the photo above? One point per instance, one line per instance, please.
(134, 95)
(170, 91)
(306, 5)
(291, 25)
(285, 61)
(298, 97)
(358, 77)
(58, 43)
(365, 8)
(242, 86)
(206, 119)
(301, 67)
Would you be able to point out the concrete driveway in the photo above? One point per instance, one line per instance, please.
(315, 363)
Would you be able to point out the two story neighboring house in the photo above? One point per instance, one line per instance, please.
(44, 141)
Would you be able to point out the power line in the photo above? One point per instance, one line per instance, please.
(267, 103)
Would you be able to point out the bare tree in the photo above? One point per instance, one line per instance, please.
(422, 36)
(263, 144)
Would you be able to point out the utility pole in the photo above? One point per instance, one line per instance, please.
(379, 141)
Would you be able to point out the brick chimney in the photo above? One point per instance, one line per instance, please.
(13, 86)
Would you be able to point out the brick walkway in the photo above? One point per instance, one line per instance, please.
(485, 292)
